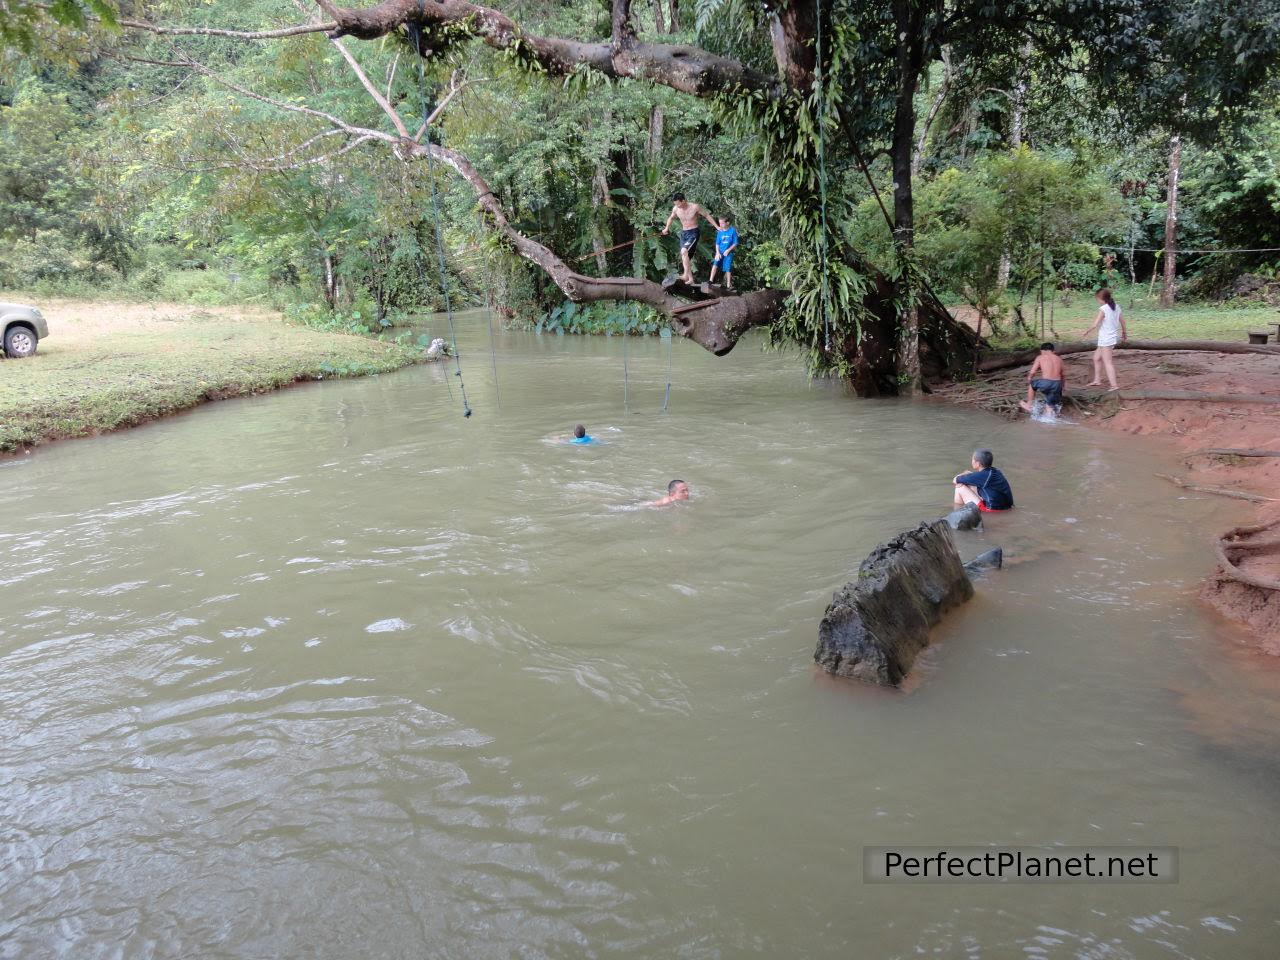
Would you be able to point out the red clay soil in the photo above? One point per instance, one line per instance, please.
(1194, 426)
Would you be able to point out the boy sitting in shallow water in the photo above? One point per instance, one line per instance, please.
(985, 486)
(1051, 382)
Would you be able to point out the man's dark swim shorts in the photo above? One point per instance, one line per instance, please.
(1052, 390)
(689, 239)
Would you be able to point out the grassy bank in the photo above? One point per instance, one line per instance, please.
(1193, 321)
(1145, 320)
(111, 365)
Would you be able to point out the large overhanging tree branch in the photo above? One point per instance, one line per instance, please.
(716, 325)
(856, 337)
(682, 67)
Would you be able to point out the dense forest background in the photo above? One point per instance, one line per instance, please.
(122, 174)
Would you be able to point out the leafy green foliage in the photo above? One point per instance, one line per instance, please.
(24, 24)
(612, 319)
(1038, 210)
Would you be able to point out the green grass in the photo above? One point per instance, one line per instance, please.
(1194, 321)
(1145, 320)
(101, 374)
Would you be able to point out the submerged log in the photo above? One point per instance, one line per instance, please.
(877, 625)
(991, 560)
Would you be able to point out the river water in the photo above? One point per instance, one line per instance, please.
(338, 673)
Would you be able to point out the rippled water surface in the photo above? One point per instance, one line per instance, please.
(336, 673)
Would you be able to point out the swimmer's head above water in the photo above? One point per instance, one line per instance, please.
(579, 431)
(676, 490)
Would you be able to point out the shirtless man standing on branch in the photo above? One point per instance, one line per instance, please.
(688, 214)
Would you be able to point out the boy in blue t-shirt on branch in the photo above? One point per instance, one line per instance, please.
(726, 243)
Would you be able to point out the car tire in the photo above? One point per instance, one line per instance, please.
(19, 342)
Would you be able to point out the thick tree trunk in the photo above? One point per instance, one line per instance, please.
(658, 18)
(1171, 223)
(330, 283)
(792, 28)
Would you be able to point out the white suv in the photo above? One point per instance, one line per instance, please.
(22, 327)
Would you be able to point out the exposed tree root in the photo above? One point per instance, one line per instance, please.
(1235, 452)
(1230, 541)
(1219, 491)
(1187, 395)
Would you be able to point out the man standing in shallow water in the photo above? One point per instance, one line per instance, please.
(676, 490)
(688, 214)
(1051, 382)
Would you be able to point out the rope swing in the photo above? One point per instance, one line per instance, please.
(625, 406)
(666, 397)
(435, 209)
(819, 81)
(490, 300)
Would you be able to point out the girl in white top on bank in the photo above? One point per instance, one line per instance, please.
(1110, 326)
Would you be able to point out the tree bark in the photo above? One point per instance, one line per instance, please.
(682, 67)
(1171, 223)
(658, 25)
(792, 28)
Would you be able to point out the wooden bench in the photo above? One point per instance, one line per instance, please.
(1259, 336)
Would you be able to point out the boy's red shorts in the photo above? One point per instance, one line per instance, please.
(985, 509)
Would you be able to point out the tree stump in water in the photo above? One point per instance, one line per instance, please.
(877, 625)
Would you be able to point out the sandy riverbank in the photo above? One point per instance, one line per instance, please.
(1193, 427)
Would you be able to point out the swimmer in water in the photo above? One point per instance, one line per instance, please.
(676, 490)
(580, 435)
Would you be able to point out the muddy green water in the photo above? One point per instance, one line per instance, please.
(335, 673)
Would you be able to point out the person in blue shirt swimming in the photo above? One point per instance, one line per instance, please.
(726, 243)
(580, 435)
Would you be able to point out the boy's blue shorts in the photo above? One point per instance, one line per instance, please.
(726, 262)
